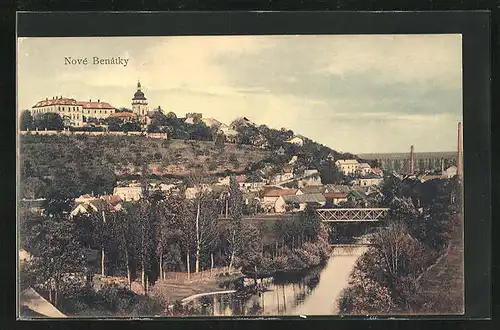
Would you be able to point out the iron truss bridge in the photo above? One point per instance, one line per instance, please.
(352, 215)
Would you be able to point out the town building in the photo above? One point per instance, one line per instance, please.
(97, 110)
(370, 181)
(450, 172)
(347, 166)
(335, 198)
(270, 197)
(294, 203)
(364, 169)
(140, 104)
(125, 117)
(297, 139)
(70, 110)
(128, 194)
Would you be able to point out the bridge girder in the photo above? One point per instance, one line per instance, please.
(352, 214)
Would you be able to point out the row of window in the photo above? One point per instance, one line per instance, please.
(62, 109)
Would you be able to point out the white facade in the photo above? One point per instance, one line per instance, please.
(99, 110)
(296, 140)
(451, 172)
(348, 166)
(364, 169)
(366, 182)
(69, 109)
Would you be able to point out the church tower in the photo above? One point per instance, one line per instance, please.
(140, 104)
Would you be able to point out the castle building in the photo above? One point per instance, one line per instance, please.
(74, 113)
(69, 109)
(140, 104)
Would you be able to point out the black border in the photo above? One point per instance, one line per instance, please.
(474, 27)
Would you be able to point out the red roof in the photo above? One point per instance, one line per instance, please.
(96, 105)
(56, 101)
(122, 115)
(335, 195)
(280, 192)
(241, 178)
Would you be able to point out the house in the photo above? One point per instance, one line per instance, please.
(293, 203)
(280, 151)
(34, 205)
(85, 198)
(297, 139)
(310, 190)
(370, 181)
(241, 179)
(334, 198)
(330, 188)
(253, 186)
(347, 166)
(311, 180)
(358, 197)
(124, 117)
(93, 206)
(450, 172)
(270, 197)
(128, 193)
(364, 169)
(193, 192)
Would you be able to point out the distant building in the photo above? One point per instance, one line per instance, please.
(125, 117)
(370, 181)
(450, 172)
(70, 110)
(280, 151)
(98, 110)
(336, 197)
(347, 166)
(271, 196)
(292, 203)
(140, 104)
(297, 139)
(34, 205)
(364, 169)
(128, 193)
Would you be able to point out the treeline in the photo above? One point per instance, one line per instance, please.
(422, 218)
(162, 233)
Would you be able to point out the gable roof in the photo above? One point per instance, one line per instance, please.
(313, 189)
(364, 165)
(280, 192)
(306, 198)
(335, 195)
(96, 105)
(347, 162)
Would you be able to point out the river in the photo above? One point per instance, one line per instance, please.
(314, 292)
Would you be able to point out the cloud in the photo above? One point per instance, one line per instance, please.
(356, 93)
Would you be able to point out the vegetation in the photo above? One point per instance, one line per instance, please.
(423, 217)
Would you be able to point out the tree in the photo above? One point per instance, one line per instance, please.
(58, 258)
(49, 121)
(234, 235)
(26, 121)
(329, 173)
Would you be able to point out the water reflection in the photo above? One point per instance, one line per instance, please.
(285, 294)
(279, 297)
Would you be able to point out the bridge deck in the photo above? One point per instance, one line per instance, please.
(352, 214)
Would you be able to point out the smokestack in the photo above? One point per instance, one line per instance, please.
(460, 153)
(412, 161)
(442, 165)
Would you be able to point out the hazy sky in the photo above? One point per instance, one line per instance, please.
(360, 94)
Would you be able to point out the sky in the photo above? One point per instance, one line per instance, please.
(352, 93)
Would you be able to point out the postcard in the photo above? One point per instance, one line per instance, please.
(249, 175)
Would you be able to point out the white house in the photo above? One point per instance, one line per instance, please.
(450, 172)
(128, 193)
(297, 139)
(336, 197)
(293, 160)
(364, 169)
(297, 202)
(347, 166)
(271, 196)
(370, 181)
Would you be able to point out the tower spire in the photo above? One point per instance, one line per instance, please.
(138, 84)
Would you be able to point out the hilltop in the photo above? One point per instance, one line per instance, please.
(84, 163)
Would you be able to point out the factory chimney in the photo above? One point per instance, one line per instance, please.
(460, 153)
(442, 166)
(412, 161)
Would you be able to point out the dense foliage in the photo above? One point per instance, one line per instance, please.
(422, 218)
